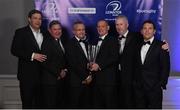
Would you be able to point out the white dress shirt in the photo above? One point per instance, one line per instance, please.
(38, 36)
(83, 47)
(122, 41)
(122, 44)
(144, 49)
(100, 41)
(39, 39)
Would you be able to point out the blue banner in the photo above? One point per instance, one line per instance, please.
(90, 11)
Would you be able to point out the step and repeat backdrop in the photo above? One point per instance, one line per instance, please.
(90, 11)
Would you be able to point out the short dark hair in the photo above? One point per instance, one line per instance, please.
(149, 22)
(77, 22)
(33, 12)
(54, 22)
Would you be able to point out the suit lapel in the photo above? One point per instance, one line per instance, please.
(128, 39)
(79, 47)
(150, 51)
(57, 47)
(102, 45)
(32, 37)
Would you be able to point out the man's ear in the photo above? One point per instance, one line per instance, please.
(154, 31)
(29, 19)
(73, 31)
(141, 31)
(127, 25)
(49, 30)
(108, 28)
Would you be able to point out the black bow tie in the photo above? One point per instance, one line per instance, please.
(100, 39)
(147, 42)
(83, 41)
(122, 37)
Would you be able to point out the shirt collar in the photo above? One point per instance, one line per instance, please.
(125, 34)
(103, 37)
(79, 38)
(151, 40)
(34, 30)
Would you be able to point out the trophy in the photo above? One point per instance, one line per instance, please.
(92, 54)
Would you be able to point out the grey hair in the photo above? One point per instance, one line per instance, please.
(122, 17)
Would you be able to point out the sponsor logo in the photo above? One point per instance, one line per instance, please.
(113, 8)
(81, 10)
(50, 10)
(146, 11)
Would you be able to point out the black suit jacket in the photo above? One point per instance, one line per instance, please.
(23, 45)
(107, 59)
(77, 62)
(55, 61)
(155, 70)
(127, 58)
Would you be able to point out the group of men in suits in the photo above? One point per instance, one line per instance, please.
(141, 68)
(116, 75)
(79, 77)
(41, 63)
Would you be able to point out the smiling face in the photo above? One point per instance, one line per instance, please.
(79, 30)
(121, 25)
(148, 31)
(55, 31)
(102, 28)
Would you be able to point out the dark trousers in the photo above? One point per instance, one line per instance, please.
(81, 97)
(105, 97)
(30, 95)
(125, 90)
(54, 95)
(148, 99)
(49, 96)
(126, 99)
(63, 94)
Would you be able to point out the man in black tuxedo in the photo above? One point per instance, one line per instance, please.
(105, 69)
(53, 69)
(128, 42)
(26, 46)
(152, 69)
(79, 77)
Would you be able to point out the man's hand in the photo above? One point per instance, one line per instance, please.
(94, 67)
(89, 65)
(165, 46)
(62, 74)
(88, 80)
(39, 57)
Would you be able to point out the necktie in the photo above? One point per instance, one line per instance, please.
(57, 41)
(147, 42)
(59, 45)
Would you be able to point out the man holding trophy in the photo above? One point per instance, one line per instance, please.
(104, 69)
(78, 67)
